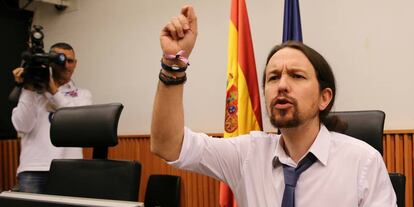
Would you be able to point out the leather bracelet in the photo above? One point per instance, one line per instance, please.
(172, 80)
(20, 85)
(173, 68)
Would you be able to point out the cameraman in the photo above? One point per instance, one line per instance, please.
(31, 118)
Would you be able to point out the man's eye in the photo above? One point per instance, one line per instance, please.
(273, 77)
(298, 76)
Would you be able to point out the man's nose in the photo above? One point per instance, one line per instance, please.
(284, 83)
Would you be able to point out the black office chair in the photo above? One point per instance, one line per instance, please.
(398, 182)
(369, 127)
(163, 191)
(91, 126)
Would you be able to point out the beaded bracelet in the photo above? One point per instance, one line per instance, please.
(172, 80)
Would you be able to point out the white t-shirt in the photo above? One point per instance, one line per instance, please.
(347, 173)
(31, 119)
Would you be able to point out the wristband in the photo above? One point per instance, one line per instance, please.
(20, 85)
(173, 68)
(172, 80)
(178, 56)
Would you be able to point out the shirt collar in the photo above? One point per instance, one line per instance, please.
(319, 148)
(67, 86)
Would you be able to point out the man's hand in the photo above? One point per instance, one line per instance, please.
(52, 87)
(180, 33)
(17, 73)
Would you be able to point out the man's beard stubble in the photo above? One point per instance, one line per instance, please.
(282, 122)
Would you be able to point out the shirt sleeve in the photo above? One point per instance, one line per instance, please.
(83, 97)
(376, 186)
(219, 158)
(24, 115)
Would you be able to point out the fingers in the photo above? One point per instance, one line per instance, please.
(189, 12)
(53, 87)
(17, 73)
(177, 27)
(180, 32)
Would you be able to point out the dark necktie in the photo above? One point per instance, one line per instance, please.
(291, 177)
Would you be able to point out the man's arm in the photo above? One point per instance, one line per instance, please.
(167, 127)
(377, 189)
(24, 115)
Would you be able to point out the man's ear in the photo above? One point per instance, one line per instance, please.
(325, 98)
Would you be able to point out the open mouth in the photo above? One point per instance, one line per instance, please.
(283, 103)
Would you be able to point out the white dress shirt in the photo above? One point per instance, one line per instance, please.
(347, 173)
(31, 119)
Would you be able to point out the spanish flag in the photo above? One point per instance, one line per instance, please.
(243, 112)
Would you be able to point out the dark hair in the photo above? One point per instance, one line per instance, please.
(323, 71)
(62, 45)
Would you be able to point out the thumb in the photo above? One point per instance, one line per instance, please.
(188, 11)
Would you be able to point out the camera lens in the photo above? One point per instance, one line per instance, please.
(61, 57)
(37, 35)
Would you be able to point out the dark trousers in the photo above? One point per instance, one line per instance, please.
(32, 181)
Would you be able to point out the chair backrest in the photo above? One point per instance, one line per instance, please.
(86, 126)
(163, 191)
(91, 126)
(364, 125)
(105, 179)
(368, 126)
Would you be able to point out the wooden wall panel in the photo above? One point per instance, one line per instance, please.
(202, 191)
(9, 160)
(398, 156)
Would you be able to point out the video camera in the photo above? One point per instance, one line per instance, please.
(37, 63)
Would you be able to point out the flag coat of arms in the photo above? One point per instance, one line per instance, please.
(242, 112)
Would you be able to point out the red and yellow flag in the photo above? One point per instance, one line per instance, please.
(243, 112)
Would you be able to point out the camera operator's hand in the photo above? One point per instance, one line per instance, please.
(17, 73)
(180, 33)
(53, 87)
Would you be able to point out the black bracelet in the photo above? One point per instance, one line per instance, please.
(173, 68)
(20, 85)
(172, 80)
